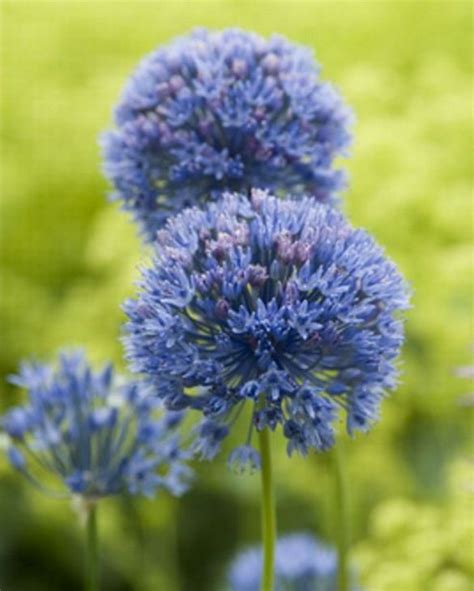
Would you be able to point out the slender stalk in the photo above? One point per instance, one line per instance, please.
(268, 514)
(342, 517)
(92, 557)
(172, 543)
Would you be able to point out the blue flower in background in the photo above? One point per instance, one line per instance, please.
(223, 110)
(301, 564)
(100, 434)
(276, 304)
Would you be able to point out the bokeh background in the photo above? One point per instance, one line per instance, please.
(69, 258)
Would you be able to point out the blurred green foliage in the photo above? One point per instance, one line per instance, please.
(419, 546)
(69, 259)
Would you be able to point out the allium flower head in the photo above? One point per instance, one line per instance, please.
(96, 432)
(218, 111)
(278, 304)
(301, 564)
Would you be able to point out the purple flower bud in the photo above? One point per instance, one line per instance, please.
(222, 309)
(176, 83)
(271, 63)
(257, 275)
(239, 67)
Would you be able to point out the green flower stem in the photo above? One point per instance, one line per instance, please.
(268, 513)
(92, 557)
(341, 517)
(173, 541)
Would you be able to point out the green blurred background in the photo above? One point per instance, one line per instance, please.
(69, 258)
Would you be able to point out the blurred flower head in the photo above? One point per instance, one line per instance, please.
(98, 433)
(277, 304)
(223, 110)
(301, 564)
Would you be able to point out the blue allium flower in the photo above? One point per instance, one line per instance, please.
(223, 110)
(301, 564)
(277, 304)
(98, 433)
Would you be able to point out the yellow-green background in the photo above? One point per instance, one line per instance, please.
(69, 258)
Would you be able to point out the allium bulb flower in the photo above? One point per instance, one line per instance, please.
(276, 304)
(301, 564)
(97, 433)
(225, 110)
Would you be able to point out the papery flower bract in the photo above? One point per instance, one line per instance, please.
(280, 304)
(98, 433)
(301, 564)
(226, 110)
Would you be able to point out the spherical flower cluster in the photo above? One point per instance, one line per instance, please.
(96, 432)
(280, 304)
(218, 111)
(301, 564)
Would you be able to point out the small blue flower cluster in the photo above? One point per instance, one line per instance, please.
(277, 303)
(226, 110)
(101, 435)
(301, 564)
